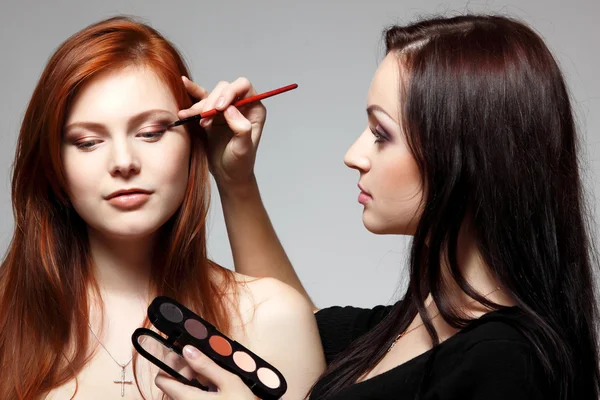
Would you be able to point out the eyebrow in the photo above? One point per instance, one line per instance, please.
(374, 107)
(133, 120)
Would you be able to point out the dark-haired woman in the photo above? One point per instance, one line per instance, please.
(470, 147)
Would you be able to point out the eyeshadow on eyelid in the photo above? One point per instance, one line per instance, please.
(153, 128)
(382, 131)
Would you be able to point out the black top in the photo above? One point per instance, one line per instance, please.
(490, 359)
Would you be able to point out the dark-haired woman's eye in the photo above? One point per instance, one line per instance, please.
(379, 136)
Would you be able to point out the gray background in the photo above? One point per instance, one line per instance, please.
(331, 49)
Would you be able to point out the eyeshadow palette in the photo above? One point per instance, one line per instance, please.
(183, 327)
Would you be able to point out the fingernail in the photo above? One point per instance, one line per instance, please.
(220, 102)
(191, 352)
(204, 123)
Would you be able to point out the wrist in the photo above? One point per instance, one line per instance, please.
(231, 191)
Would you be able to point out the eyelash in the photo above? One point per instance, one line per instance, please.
(88, 145)
(155, 134)
(379, 138)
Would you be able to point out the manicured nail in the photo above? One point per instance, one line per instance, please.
(220, 102)
(191, 352)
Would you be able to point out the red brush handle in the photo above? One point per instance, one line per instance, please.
(258, 97)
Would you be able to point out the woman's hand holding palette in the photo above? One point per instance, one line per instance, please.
(183, 327)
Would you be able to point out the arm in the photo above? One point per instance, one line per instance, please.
(254, 244)
(233, 141)
(284, 332)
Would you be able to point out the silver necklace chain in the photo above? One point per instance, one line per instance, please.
(123, 366)
(123, 381)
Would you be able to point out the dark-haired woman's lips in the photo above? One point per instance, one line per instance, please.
(364, 196)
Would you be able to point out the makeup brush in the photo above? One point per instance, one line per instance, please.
(239, 103)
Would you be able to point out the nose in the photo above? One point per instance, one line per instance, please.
(357, 155)
(124, 160)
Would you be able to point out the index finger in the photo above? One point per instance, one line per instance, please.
(236, 90)
(195, 90)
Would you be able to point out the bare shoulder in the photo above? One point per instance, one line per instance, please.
(270, 301)
(279, 325)
(266, 307)
(253, 301)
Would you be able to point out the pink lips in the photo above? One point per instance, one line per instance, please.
(129, 199)
(363, 197)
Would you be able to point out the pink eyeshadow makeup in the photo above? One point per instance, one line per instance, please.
(244, 361)
(183, 327)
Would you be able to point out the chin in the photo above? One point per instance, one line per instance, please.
(380, 225)
(128, 229)
(376, 226)
(128, 233)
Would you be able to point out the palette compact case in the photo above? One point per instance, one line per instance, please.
(183, 327)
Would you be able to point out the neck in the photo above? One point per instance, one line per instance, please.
(121, 266)
(476, 273)
(474, 269)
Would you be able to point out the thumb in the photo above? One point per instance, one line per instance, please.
(239, 124)
(241, 142)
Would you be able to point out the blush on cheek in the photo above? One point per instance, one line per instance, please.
(81, 182)
(175, 174)
(399, 195)
(403, 175)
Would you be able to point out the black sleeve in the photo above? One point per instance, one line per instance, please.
(340, 326)
(494, 370)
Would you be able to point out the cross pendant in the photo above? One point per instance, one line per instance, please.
(122, 381)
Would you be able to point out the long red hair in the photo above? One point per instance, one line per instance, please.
(46, 277)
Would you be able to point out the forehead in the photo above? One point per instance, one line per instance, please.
(385, 87)
(121, 93)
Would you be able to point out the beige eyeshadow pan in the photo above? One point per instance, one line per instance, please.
(268, 378)
(244, 361)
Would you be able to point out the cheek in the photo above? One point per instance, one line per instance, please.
(173, 165)
(398, 204)
(402, 176)
(81, 173)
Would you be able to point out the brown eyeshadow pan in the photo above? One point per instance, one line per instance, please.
(196, 328)
(220, 345)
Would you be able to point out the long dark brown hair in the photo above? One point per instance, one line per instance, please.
(488, 119)
(46, 276)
